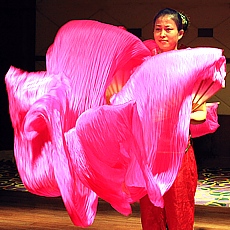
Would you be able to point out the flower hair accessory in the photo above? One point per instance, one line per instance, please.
(183, 18)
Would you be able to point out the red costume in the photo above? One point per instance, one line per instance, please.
(178, 211)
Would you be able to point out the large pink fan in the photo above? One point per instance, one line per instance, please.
(45, 105)
(163, 98)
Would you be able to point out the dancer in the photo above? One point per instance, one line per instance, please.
(69, 143)
(178, 212)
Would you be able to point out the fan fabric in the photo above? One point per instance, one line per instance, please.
(164, 100)
(69, 143)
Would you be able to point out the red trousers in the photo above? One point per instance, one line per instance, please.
(178, 212)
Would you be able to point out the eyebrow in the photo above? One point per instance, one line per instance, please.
(164, 26)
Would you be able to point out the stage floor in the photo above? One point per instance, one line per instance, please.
(213, 187)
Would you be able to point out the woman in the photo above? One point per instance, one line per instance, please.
(178, 212)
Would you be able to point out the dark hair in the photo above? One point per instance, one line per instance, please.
(179, 18)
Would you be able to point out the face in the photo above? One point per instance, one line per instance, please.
(166, 34)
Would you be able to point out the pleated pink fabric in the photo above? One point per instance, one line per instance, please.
(69, 143)
(44, 106)
(163, 95)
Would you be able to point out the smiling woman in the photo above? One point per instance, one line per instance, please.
(169, 28)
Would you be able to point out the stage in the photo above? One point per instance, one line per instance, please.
(23, 210)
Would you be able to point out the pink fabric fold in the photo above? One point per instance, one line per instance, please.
(69, 143)
(106, 154)
(90, 54)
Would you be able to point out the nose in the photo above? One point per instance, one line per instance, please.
(162, 33)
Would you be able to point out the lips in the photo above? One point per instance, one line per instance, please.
(163, 41)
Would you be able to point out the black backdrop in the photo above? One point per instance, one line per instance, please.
(17, 48)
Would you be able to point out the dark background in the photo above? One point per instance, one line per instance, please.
(17, 48)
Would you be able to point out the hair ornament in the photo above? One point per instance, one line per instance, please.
(183, 18)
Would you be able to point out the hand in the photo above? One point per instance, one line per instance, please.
(198, 115)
